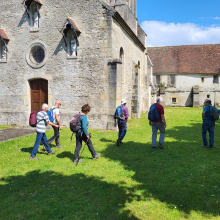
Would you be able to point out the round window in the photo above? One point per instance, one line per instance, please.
(37, 54)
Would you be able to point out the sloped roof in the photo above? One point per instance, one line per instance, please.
(38, 1)
(67, 26)
(3, 35)
(202, 59)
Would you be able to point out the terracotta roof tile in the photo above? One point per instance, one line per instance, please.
(202, 59)
(3, 34)
(74, 25)
(38, 1)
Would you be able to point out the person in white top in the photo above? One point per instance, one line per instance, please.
(42, 121)
(56, 116)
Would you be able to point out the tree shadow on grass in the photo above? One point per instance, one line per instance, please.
(183, 175)
(51, 195)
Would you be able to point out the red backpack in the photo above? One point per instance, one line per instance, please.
(33, 119)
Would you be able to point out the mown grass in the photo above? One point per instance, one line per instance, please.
(5, 126)
(132, 181)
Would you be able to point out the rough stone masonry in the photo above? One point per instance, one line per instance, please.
(75, 51)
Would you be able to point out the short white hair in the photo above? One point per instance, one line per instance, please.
(44, 106)
(159, 99)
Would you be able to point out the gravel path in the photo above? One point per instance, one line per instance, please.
(11, 133)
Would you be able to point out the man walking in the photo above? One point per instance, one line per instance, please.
(122, 115)
(159, 122)
(56, 117)
(208, 125)
(42, 121)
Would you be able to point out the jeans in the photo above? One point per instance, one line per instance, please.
(80, 136)
(41, 137)
(210, 128)
(56, 136)
(155, 127)
(122, 126)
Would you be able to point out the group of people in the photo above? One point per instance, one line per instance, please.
(121, 118)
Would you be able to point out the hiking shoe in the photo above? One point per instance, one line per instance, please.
(161, 146)
(34, 158)
(59, 146)
(53, 152)
(96, 156)
(204, 146)
(154, 147)
(118, 142)
(77, 161)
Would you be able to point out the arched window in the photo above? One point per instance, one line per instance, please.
(32, 8)
(122, 60)
(71, 34)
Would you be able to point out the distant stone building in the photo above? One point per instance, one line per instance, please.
(189, 74)
(77, 51)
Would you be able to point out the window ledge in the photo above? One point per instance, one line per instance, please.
(71, 57)
(34, 29)
(3, 61)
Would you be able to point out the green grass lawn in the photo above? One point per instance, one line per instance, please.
(132, 181)
(5, 126)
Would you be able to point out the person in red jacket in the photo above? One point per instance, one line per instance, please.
(158, 124)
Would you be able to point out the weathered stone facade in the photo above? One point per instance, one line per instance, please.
(110, 63)
(189, 74)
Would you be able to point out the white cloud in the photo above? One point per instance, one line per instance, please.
(216, 18)
(169, 34)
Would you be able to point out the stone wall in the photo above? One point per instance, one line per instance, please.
(90, 78)
(135, 66)
(73, 81)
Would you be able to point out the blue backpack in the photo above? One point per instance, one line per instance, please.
(119, 114)
(153, 114)
(50, 114)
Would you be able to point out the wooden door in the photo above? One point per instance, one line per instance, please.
(39, 94)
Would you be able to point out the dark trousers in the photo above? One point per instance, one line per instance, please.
(122, 127)
(56, 136)
(210, 128)
(80, 136)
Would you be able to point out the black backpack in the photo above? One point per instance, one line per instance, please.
(214, 114)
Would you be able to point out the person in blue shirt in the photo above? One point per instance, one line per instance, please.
(207, 125)
(83, 135)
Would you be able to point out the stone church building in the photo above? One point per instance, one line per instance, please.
(187, 75)
(75, 51)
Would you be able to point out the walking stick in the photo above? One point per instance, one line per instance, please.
(82, 151)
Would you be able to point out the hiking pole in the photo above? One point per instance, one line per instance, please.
(83, 150)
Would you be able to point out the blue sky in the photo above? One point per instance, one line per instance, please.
(180, 22)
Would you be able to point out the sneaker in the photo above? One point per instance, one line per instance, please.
(161, 146)
(211, 148)
(53, 152)
(154, 147)
(96, 156)
(34, 158)
(77, 161)
(118, 142)
(204, 146)
(59, 146)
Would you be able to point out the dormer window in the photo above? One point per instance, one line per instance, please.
(3, 46)
(32, 8)
(70, 34)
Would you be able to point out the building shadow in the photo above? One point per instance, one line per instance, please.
(51, 195)
(180, 175)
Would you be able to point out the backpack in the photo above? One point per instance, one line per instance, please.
(214, 114)
(33, 119)
(153, 114)
(50, 114)
(119, 114)
(75, 123)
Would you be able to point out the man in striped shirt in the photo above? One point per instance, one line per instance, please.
(42, 121)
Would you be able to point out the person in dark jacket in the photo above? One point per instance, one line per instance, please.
(83, 135)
